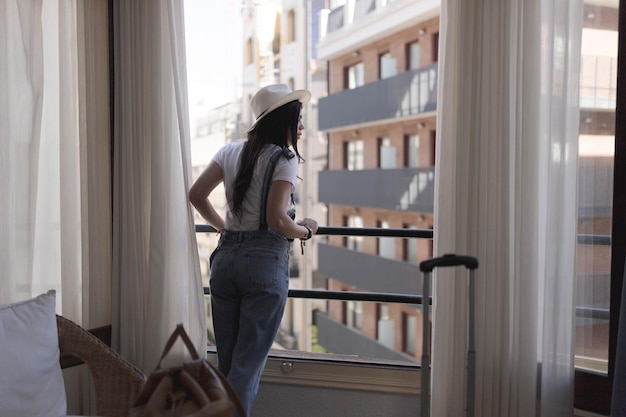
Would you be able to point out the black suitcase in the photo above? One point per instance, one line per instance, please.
(426, 267)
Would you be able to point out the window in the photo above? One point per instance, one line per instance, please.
(354, 76)
(409, 333)
(409, 247)
(385, 328)
(354, 317)
(385, 246)
(411, 150)
(353, 155)
(386, 154)
(276, 38)
(601, 175)
(353, 242)
(291, 26)
(386, 66)
(413, 56)
(435, 47)
(433, 144)
(249, 52)
(598, 82)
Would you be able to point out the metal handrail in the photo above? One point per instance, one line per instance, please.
(581, 312)
(351, 296)
(352, 231)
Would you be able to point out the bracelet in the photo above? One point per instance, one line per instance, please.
(309, 232)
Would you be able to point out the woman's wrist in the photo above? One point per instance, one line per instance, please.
(309, 233)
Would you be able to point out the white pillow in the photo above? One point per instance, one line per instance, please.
(31, 380)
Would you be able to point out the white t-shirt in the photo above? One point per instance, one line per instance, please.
(229, 157)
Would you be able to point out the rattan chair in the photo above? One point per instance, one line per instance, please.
(116, 381)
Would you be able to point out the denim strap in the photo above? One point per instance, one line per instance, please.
(269, 173)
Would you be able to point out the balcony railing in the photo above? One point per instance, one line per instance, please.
(336, 19)
(404, 189)
(394, 297)
(362, 381)
(407, 94)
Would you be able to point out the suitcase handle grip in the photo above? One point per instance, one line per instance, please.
(449, 260)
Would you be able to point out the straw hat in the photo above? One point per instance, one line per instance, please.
(269, 98)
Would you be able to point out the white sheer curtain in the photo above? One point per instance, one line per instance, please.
(157, 280)
(54, 158)
(506, 193)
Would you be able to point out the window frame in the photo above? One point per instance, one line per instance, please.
(358, 82)
(291, 26)
(409, 55)
(407, 321)
(592, 391)
(382, 57)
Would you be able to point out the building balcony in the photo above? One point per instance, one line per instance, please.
(364, 270)
(404, 189)
(407, 94)
(363, 22)
(338, 338)
(366, 378)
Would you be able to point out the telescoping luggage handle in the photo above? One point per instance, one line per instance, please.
(427, 267)
(469, 262)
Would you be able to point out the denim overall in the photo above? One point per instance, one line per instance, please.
(249, 283)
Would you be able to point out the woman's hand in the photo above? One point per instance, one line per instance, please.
(310, 223)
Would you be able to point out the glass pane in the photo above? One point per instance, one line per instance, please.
(410, 326)
(356, 75)
(387, 66)
(598, 80)
(414, 55)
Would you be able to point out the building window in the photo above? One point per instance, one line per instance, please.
(354, 314)
(386, 66)
(354, 76)
(596, 144)
(385, 246)
(291, 26)
(353, 155)
(353, 242)
(411, 150)
(436, 47)
(248, 57)
(433, 144)
(412, 56)
(409, 333)
(409, 247)
(386, 154)
(385, 326)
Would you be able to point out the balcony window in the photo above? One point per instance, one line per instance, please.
(353, 155)
(248, 52)
(598, 72)
(411, 150)
(354, 314)
(386, 246)
(385, 329)
(409, 333)
(353, 242)
(354, 76)
(387, 66)
(386, 154)
(413, 56)
(598, 86)
(409, 247)
(291, 26)
(435, 47)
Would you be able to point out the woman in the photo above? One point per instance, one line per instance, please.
(250, 266)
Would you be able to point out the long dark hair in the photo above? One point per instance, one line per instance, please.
(275, 128)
